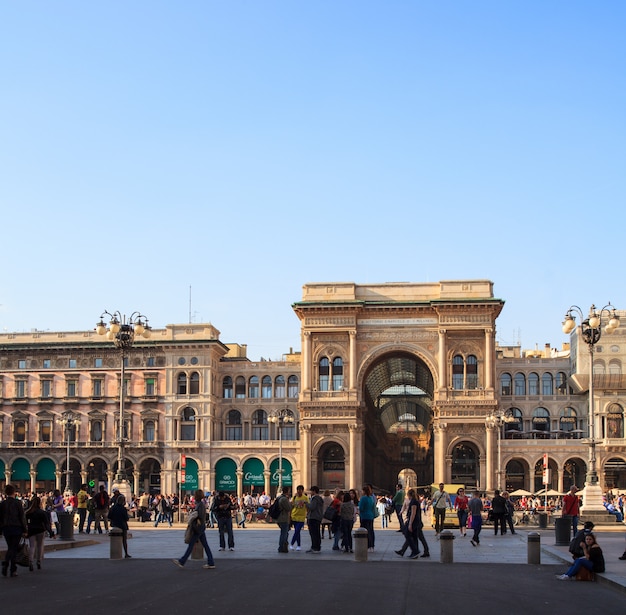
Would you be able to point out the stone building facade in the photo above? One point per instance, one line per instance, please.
(393, 380)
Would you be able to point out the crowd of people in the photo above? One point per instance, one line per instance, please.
(34, 516)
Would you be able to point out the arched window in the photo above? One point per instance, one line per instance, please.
(568, 422)
(533, 384)
(514, 426)
(471, 372)
(188, 424)
(505, 384)
(266, 387)
(194, 383)
(407, 450)
(457, 372)
(464, 465)
(19, 431)
(149, 431)
(233, 425)
(615, 367)
(227, 387)
(45, 430)
(324, 374)
(337, 374)
(293, 388)
(97, 430)
(181, 388)
(561, 383)
(615, 421)
(253, 387)
(279, 387)
(520, 384)
(541, 420)
(546, 384)
(240, 387)
(260, 425)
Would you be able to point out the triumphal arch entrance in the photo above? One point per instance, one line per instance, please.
(397, 381)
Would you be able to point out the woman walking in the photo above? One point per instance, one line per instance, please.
(38, 522)
(198, 532)
(367, 504)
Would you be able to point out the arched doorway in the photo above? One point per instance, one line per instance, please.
(407, 478)
(399, 393)
(97, 474)
(332, 466)
(226, 475)
(538, 478)
(150, 476)
(574, 471)
(516, 473)
(615, 474)
(465, 468)
(73, 479)
(45, 479)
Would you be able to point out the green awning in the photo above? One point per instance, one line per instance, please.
(287, 469)
(20, 469)
(226, 475)
(191, 475)
(46, 469)
(253, 473)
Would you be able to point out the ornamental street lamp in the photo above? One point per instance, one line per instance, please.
(591, 332)
(68, 420)
(121, 331)
(496, 420)
(280, 417)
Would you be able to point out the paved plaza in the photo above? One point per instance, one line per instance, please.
(257, 578)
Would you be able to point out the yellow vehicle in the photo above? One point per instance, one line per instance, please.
(451, 518)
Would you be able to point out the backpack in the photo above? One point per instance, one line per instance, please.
(275, 510)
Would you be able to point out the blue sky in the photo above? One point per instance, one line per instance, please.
(244, 149)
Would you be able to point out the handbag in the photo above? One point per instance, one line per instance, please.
(22, 557)
(331, 513)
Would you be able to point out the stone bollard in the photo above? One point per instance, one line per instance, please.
(198, 551)
(534, 548)
(116, 547)
(446, 544)
(359, 537)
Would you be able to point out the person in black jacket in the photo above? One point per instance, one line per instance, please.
(13, 526)
(223, 508)
(38, 521)
(498, 509)
(118, 516)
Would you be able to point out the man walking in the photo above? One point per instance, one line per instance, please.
(315, 508)
(498, 510)
(475, 506)
(284, 520)
(81, 505)
(571, 507)
(101, 500)
(13, 524)
(398, 503)
(222, 509)
(441, 501)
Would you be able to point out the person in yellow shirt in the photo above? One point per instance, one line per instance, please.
(298, 516)
(82, 498)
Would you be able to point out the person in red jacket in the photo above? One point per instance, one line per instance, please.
(571, 507)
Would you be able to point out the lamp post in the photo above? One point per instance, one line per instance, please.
(591, 332)
(121, 331)
(68, 420)
(280, 417)
(496, 420)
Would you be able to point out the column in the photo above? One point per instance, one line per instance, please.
(266, 481)
(306, 363)
(58, 475)
(489, 358)
(305, 439)
(560, 474)
(491, 465)
(33, 480)
(443, 380)
(352, 383)
(136, 479)
(110, 477)
(440, 451)
(239, 483)
(355, 476)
